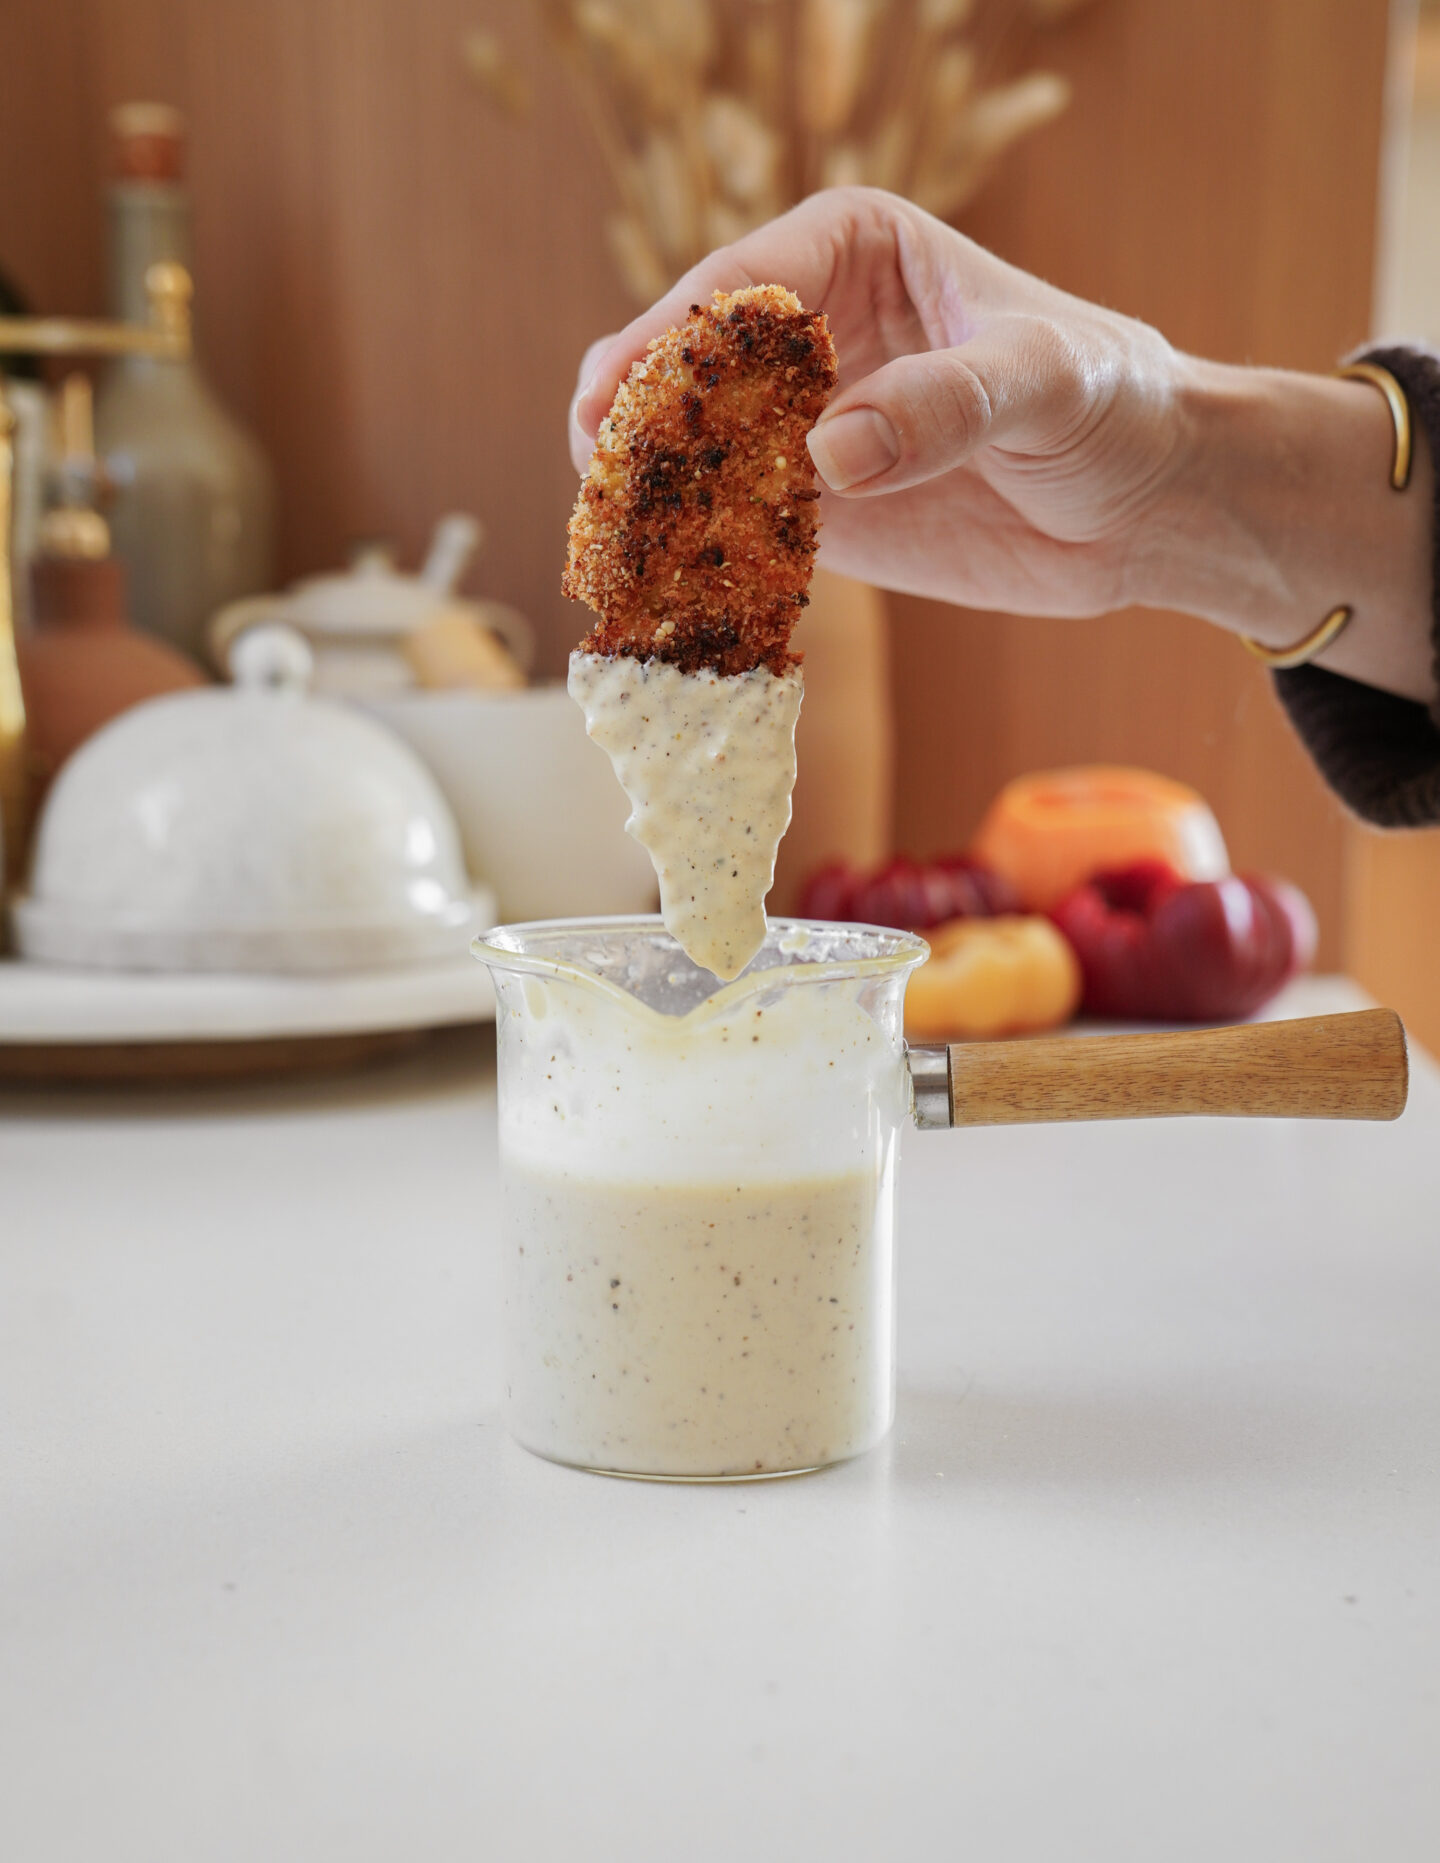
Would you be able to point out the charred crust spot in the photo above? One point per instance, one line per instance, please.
(687, 479)
(658, 483)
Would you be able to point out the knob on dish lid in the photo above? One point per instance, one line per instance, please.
(250, 829)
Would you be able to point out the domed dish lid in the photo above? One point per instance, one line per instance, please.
(247, 829)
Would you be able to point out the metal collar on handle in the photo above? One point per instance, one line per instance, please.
(930, 1084)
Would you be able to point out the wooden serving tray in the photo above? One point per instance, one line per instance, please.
(80, 1027)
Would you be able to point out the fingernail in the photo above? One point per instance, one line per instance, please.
(852, 447)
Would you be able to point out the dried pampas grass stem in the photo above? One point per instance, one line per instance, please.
(712, 115)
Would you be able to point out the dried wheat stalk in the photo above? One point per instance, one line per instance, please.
(712, 115)
(492, 70)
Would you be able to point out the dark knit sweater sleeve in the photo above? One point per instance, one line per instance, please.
(1379, 753)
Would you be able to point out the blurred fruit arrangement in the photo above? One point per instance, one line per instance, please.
(910, 895)
(1047, 832)
(1153, 946)
(1098, 889)
(989, 977)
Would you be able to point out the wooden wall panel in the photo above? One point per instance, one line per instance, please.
(1392, 928)
(1392, 920)
(395, 286)
(1216, 175)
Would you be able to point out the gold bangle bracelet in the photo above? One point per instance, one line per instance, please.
(1280, 659)
(1283, 658)
(1399, 413)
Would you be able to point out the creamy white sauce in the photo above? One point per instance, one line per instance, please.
(698, 1228)
(698, 1330)
(708, 762)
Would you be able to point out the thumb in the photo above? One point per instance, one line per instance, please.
(584, 418)
(922, 415)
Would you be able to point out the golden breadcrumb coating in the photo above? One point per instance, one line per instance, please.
(693, 537)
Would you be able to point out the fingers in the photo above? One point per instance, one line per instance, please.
(914, 419)
(902, 292)
(805, 249)
(1021, 382)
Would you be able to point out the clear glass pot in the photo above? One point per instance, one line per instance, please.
(699, 1195)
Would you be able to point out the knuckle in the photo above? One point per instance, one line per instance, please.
(1059, 363)
(950, 411)
(852, 197)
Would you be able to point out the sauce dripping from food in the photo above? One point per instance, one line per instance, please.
(708, 763)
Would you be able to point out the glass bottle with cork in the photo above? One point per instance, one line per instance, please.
(193, 511)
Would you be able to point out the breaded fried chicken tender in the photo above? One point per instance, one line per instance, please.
(693, 538)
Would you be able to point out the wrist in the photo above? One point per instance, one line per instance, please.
(1219, 547)
(1279, 508)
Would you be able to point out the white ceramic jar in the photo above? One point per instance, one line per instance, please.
(541, 817)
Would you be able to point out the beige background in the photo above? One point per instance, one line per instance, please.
(1392, 894)
(395, 285)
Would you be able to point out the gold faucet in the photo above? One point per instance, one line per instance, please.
(167, 334)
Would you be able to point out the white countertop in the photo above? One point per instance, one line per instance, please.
(1149, 1570)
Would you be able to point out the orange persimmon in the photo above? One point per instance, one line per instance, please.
(986, 977)
(1048, 832)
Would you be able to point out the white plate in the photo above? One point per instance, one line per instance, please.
(47, 1004)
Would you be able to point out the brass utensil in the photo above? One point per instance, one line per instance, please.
(167, 333)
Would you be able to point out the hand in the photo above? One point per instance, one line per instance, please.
(997, 443)
(993, 442)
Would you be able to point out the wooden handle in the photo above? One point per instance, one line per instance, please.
(1323, 1067)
